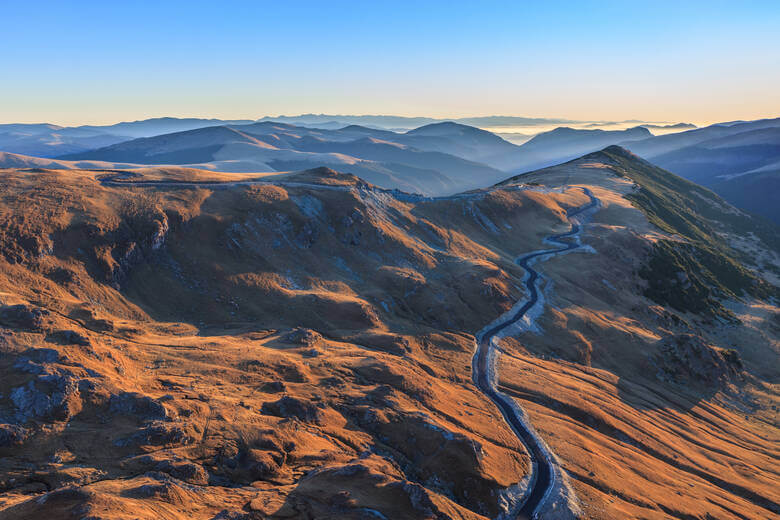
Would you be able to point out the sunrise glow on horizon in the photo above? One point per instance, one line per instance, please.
(698, 62)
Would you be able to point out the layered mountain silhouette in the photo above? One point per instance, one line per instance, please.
(47, 140)
(438, 158)
(739, 159)
(280, 147)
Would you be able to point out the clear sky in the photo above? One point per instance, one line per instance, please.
(105, 61)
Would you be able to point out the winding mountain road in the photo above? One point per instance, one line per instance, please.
(545, 474)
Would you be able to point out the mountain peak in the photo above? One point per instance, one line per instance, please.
(447, 128)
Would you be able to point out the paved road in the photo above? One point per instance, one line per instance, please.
(544, 474)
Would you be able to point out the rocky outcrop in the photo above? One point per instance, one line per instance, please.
(170, 464)
(687, 358)
(139, 406)
(25, 317)
(157, 433)
(49, 396)
(303, 336)
(12, 435)
(68, 337)
(292, 407)
(19, 244)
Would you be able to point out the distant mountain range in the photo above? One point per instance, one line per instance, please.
(677, 126)
(740, 160)
(49, 140)
(417, 162)
(438, 158)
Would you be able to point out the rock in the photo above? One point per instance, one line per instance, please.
(303, 336)
(187, 471)
(43, 355)
(24, 317)
(307, 236)
(138, 405)
(273, 387)
(349, 232)
(231, 515)
(68, 337)
(34, 359)
(228, 454)
(685, 358)
(261, 464)
(60, 275)
(12, 435)
(293, 407)
(158, 433)
(267, 504)
(59, 399)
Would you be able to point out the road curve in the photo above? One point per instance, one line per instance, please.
(545, 474)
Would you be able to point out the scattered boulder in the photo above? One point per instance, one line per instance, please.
(290, 407)
(26, 317)
(12, 435)
(157, 433)
(59, 399)
(138, 405)
(68, 337)
(303, 336)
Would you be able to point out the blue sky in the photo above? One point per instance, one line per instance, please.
(99, 62)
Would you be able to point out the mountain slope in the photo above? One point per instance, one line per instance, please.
(161, 125)
(203, 344)
(563, 144)
(709, 161)
(52, 141)
(755, 191)
(658, 145)
(712, 155)
(11, 160)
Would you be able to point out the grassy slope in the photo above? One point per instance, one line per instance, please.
(755, 190)
(692, 275)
